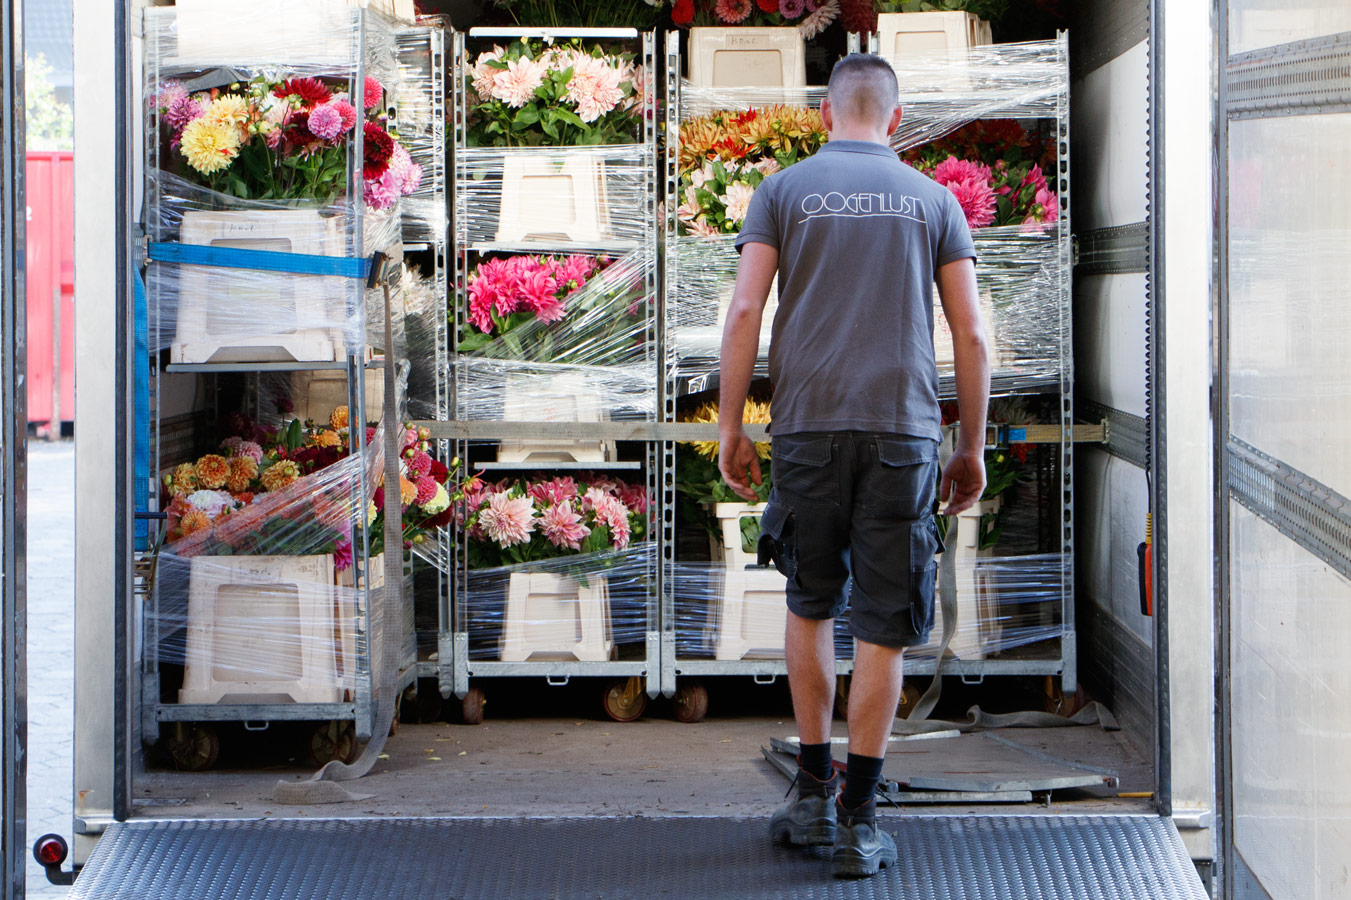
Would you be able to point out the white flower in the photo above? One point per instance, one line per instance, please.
(213, 503)
(738, 200)
(767, 166)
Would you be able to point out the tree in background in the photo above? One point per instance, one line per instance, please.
(50, 123)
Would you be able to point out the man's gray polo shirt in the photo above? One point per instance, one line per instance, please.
(860, 236)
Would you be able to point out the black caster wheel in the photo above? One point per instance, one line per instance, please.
(625, 699)
(194, 748)
(471, 707)
(691, 702)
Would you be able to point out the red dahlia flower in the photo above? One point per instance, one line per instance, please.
(311, 91)
(769, 6)
(683, 12)
(379, 147)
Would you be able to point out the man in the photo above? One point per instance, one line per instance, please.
(857, 239)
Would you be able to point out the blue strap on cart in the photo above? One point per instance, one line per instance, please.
(141, 457)
(260, 260)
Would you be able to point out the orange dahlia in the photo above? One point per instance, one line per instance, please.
(242, 472)
(326, 438)
(407, 491)
(339, 418)
(280, 474)
(193, 521)
(184, 479)
(212, 471)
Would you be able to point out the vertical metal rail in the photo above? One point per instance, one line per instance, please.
(454, 652)
(655, 456)
(1158, 412)
(13, 429)
(1065, 276)
(667, 385)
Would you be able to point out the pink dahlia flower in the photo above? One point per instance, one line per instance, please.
(373, 92)
(1034, 177)
(426, 490)
(733, 11)
(484, 74)
(539, 295)
(342, 554)
(791, 9)
(976, 199)
(347, 111)
(594, 87)
(482, 295)
(508, 521)
(325, 122)
(563, 527)
(554, 491)
(183, 110)
(953, 170)
(635, 497)
(515, 86)
(420, 463)
(170, 92)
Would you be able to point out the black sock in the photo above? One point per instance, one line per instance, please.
(814, 759)
(860, 780)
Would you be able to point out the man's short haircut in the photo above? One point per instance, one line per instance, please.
(863, 88)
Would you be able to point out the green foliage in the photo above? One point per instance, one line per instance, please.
(584, 13)
(50, 124)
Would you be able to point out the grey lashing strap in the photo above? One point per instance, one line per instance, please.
(947, 603)
(322, 787)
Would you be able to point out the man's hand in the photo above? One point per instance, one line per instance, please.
(963, 482)
(737, 456)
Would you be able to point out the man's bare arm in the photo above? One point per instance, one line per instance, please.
(964, 478)
(740, 345)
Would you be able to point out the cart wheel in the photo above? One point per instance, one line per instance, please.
(1056, 700)
(335, 740)
(194, 748)
(691, 702)
(910, 695)
(471, 707)
(625, 699)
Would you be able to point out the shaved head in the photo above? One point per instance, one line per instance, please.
(863, 89)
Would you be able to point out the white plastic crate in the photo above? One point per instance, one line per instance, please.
(240, 315)
(752, 610)
(747, 57)
(262, 629)
(312, 32)
(556, 617)
(978, 619)
(905, 34)
(553, 200)
(318, 392)
(566, 397)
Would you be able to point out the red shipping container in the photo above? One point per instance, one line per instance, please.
(51, 283)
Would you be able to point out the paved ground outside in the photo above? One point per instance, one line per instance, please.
(51, 647)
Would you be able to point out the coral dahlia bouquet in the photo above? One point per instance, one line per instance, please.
(532, 519)
(996, 170)
(282, 140)
(554, 93)
(579, 309)
(725, 155)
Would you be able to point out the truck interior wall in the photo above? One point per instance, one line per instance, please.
(1109, 119)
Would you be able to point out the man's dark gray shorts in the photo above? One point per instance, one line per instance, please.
(856, 509)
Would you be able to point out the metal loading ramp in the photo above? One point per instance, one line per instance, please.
(987, 857)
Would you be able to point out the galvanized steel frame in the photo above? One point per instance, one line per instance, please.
(454, 667)
(1065, 665)
(362, 711)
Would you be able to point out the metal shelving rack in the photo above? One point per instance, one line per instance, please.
(366, 29)
(423, 56)
(1057, 380)
(455, 665)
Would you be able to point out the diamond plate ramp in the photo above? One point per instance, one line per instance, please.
(994, 857)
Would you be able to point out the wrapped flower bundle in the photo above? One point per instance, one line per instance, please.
(527, 520)
(725, 155)
(995, 170)
(283, 140)
(538, 93)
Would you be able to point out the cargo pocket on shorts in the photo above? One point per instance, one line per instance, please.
(803, 467)
(906, 477)
(778, 540)
(925, 544)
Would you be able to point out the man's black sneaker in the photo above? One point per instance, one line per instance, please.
(808, 820)
(861, 848)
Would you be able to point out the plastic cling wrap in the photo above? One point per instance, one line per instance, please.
(422, 119)
(584, 198)
(941, 91)
(267, 186)
(278, 597)
(728, 612)
(591, 608)
(557, 338)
